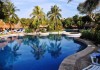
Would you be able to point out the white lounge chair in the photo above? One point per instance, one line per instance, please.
(92, 67)
(93, 57)
(98, 50)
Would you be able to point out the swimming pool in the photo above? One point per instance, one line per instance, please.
(38, 52)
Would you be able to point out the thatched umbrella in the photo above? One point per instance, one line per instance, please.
(6, 26)
(1, 24)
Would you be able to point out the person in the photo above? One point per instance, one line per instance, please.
(5, 31)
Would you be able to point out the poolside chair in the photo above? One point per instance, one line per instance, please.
(98, 50)
(93, 57)
(95, 64)
(92, 67)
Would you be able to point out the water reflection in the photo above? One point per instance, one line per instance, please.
(55, 37)
(27, 39)
(9, 55)
(54, 48)
(38, 50)
(7, 58)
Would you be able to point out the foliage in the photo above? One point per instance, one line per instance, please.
(86, 19)
(88, 8)
(91, 35)
(27, 30)
(38, 16)
(67, 23)
(25, 22)
(7, 12)
(87, 34)
(54, 18)
(2, 15)
(97, 18)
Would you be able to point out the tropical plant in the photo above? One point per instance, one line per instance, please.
(28, 30)
(67, 23)
(91, 35)
(80, 24)
(26, 22)
(75, 19)
(54, 17)
(2, 15)
(38, 16)
(9, 10)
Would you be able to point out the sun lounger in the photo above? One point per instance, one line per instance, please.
(98, 50)
(92, 67)
(93, 57)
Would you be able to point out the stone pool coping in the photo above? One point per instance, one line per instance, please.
(69, 34)
(69, 63)
(43, 34)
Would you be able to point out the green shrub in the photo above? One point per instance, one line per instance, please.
(86, 34)
(91, 35)
(28, 30)
(98, 37)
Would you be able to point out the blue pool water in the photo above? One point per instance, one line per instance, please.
(38, 53)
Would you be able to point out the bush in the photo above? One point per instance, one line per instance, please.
(98, 37)
(91, 35)
(86, 34)
(28, 30)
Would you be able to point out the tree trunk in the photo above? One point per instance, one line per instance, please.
(92, 16)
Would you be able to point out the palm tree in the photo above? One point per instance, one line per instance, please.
(2, 16)
(54, 15)
(25, 22)
(37, 16)
(10, 10)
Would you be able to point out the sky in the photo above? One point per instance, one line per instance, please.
(26, 7)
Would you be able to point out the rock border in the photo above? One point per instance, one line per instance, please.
(69, 62)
